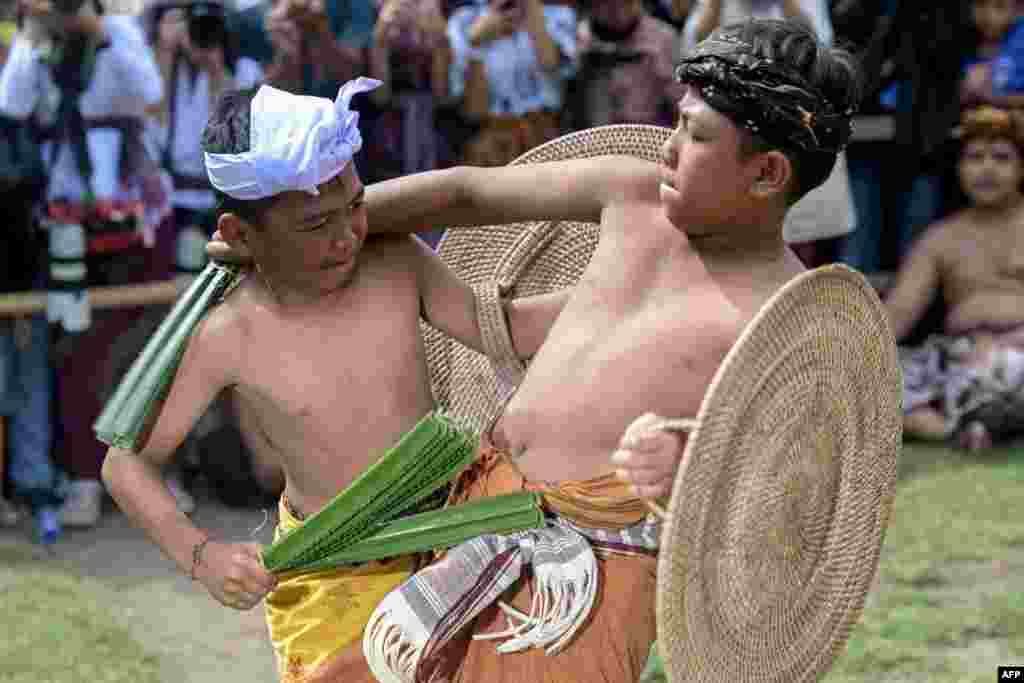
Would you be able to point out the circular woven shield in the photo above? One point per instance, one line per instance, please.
(777, 515)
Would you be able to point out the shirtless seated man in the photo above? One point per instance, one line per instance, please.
(327, 411)
(689, 251)
(967, 382)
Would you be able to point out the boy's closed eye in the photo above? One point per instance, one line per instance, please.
(317, 222)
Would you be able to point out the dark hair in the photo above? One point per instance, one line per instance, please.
(833, 72)
(227, 132)
(227, 39)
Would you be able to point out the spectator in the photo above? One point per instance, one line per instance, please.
(510, 62)
(198, 59)
(318, 44)
(87, 76)
(969, 383)
(25, 382)
(672, 12)
(994, 74)
(626, 67)
(912, 54)
(410, 57)
(706, 15)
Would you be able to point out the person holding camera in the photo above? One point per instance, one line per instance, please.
(199, 61)
(511, 60)
(318, 44)
(81, 71)
(626, 67)
(707, 15)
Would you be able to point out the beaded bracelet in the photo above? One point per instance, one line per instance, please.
(197, 556)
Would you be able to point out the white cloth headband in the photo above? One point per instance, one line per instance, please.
(296, 142)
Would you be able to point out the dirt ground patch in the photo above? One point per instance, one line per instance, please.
(948, 606)
(166, 619)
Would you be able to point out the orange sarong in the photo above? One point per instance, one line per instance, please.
(614, 644)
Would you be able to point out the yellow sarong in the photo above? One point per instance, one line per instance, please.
(312, 616)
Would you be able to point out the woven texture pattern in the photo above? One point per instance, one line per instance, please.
(524, 259)
(777, 517)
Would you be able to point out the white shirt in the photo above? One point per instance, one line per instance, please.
(518, 84)
(125, 81)
(738, 10)
(192, 110)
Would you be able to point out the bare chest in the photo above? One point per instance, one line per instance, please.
(620, 348)
(319, 381)
(984, 265)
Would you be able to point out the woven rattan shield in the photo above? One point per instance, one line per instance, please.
(777, 515)
(776, 519)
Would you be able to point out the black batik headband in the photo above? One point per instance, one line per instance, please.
(768, 99)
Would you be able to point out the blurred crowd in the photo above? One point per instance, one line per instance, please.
(102, 105)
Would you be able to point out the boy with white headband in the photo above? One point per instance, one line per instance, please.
(281, 165)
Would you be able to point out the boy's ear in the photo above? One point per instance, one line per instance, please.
(234, 229)
(772, 174)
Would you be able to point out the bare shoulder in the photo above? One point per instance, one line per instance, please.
(391, 251)
(227, 325)
(715, 328)
(629, 178)
(945, 235)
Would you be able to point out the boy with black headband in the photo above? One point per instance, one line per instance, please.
(690, 250)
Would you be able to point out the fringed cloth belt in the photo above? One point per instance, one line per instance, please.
(407, 634)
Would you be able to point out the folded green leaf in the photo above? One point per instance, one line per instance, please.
(425, 459)
(442, 529)
(129, 411)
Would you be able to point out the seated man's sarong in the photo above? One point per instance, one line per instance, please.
(312, 616)
(938, 373)
(573, 601)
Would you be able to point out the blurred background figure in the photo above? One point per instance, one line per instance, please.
(707, 15)
(511, 60)
(967, 383)
(994, 70)
(627, 65)
(81, 71)
(410, 56)
(900, 160)
(318, 44)
(199, 61)
(26, 386)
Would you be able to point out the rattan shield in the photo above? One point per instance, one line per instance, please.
(525, 259)
(777, 516)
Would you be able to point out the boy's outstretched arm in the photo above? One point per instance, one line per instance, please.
(231, 572)
(916, 283)
(578, 189)
(450, 305)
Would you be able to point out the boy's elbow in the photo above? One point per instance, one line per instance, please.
(460, 190)
(111, 468)
(113, 471)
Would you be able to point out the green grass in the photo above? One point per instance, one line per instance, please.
(56, 631)
(947, 609)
